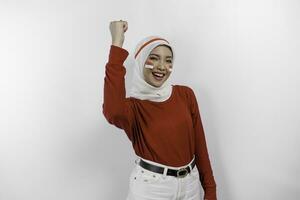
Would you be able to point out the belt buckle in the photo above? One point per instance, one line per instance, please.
(182, 170)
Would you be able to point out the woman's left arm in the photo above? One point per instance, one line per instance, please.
(201, 153)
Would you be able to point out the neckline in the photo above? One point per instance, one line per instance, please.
(162, 102)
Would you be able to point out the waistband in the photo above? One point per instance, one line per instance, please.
(162, 165)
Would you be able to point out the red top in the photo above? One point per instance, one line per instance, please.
(168, 132)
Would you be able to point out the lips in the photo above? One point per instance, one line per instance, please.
(158, 76)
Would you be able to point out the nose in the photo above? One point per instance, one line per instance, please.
(161, 66)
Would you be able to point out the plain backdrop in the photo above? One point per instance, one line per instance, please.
(240, 57)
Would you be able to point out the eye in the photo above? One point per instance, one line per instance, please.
(170, 61)
(153, 58)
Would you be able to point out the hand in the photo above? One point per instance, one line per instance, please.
(117, 30)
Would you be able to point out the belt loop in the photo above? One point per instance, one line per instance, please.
(165, 172)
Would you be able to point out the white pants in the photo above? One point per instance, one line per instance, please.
(147, 185)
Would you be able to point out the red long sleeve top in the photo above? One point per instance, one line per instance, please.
(168, 132)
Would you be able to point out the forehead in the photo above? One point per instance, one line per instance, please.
(162, 51)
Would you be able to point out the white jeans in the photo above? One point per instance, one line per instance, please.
(147, 185)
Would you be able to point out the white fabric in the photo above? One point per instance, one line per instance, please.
(140, 88)
(145, 184)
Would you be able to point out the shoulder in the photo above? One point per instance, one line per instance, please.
(186, 90)
(189, 96)
(187, 93)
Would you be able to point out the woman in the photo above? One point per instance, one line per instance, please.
(162, 121)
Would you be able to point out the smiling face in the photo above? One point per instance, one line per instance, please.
(161, 59)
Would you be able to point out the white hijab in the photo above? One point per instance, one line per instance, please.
(140, 88)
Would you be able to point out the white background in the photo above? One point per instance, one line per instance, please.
(240, 57)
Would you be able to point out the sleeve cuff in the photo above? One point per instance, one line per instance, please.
(117, 55)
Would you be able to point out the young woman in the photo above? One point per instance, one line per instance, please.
(161, 120)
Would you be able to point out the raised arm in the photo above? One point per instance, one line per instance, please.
(117, 109)
(202, 158)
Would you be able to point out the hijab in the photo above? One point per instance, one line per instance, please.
(140, 88)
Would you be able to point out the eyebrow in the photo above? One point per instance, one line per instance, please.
(159, 55)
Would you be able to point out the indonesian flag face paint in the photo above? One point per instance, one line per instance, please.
(150, 65)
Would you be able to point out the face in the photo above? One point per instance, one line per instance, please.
(161, 59)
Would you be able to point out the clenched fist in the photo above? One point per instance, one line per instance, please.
(117, 30)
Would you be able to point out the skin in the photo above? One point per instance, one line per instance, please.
(161, 62)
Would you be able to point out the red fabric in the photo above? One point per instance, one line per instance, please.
(168, 132)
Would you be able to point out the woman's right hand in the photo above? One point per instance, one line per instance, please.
(117, 30)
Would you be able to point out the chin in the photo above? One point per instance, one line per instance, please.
(157, 84)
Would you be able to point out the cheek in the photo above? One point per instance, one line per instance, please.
(170, 68)
(149, 64)
(147, 73)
